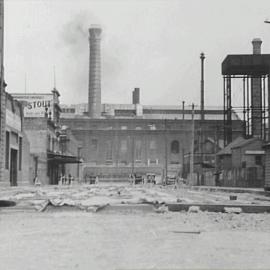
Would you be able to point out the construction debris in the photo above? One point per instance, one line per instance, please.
(235, 210)
(95, 197)
(194, 209)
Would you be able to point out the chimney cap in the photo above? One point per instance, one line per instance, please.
(256, 40)
(95, 31)
(202, 55)
(95, 26)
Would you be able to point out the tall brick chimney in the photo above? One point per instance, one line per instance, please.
(256, 96)
(94, 90)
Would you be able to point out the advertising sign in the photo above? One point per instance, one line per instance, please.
(36, 104)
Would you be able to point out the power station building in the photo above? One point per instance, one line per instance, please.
(120, 139)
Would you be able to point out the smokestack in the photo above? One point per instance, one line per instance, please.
(136, 96)
(256, 43)
(94, 90)
(183, 110)
(256, 95)
(202, 85)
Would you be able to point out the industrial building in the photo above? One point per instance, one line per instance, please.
(120, 139)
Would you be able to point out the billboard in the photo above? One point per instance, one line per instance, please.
(35, 104)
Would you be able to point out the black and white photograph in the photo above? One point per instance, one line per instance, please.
(134, 134)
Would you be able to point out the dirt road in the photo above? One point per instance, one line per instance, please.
(133, 240)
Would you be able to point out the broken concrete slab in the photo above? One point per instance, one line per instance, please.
(258, 191)
(233, 210)
(127, 208)
(194, 209)
(220, 207)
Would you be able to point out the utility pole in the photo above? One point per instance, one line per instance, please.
(268, 133)
(166, 151)
(201, 177)
(216, 145)
(132, 153)
(183, 110)
(117, 145)
(191, 163)
(202, 85)
(78, 164)
(202, 57)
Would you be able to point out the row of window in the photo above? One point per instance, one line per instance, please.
(138, 145)
(68, 110)
(121, 127)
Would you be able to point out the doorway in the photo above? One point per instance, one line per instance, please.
(13, 167)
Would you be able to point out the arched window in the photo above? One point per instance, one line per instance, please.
(175, 147)
(94, 144)
(138, 150)
(109, 150)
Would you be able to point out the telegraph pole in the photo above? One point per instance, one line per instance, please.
(132, 153)
(268, 133)
(216, 145)
(191, 168)
(183, 110)
(166, 151)
(202, 57)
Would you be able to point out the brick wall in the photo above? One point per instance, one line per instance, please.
(122, 136)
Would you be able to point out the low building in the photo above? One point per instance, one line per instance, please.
(41, 133)
(42, 128)
(70, 150)
(204, 157)
(15, 142)
(241, 163)
(267, 167)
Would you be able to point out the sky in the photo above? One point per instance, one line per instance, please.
(151, 44)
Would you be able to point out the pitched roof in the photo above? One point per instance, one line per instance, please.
(228, 149)
(237, 143)
(246, 142)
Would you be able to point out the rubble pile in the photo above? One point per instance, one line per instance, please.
(92, 198)
(88, 198)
